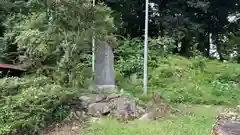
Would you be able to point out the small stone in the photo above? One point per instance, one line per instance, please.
(98, 109)
(84, 98)
(85, 101)
(99, 97)
(140, 110)
(95, 98)
(94, 119)
(147, 116)
(75, 128)
(113, 96)
(125, 108)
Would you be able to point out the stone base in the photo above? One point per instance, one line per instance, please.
(112, 105)
(110, 88)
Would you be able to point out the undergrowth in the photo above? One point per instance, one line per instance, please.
(181, 80)
(27, 104)
(197, 121)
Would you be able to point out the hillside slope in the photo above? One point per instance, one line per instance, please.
(196, 80)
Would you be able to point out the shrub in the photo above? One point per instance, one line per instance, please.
(27, 104)
(129, 54)
(196, 80)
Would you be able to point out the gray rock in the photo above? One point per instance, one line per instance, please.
(147, 116)
(85, 101)
(227, 128)
(84, 98)
(98, 98)
(98, 109)
(95, 98)
(140, 110)
(117, 105)
(228, 123)
(132, 109)
(113, 96)
(125, 109)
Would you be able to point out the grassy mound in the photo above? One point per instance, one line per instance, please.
(196, 80)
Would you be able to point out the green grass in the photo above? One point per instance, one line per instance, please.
(198, 120)
(195, 80)
(179, 80)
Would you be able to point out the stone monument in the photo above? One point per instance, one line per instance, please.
(104, 67)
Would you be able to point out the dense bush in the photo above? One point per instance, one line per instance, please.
(28, 103)
(129, 54)
(197, 80)
(56, 36)
(181, 80)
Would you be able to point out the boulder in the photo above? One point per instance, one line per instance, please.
(98, 109)
(227, 124)
(115, 105)
(147, 116)
(125, 109)
(94, 98)
(228, 127)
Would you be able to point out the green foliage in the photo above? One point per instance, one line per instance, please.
(189, 22)
(129, 60)
(197, 120)
(57, 34)
(180, 80)
(64, 30)
(28, 103)
(198, 81)
(232, 47)
(130, 54)
(57, 38)
(131, 83)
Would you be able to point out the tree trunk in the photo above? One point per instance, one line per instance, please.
(218, 47)
(185, 48)
(238, 55)
(209, 37)
(161, 29)
(207, 53)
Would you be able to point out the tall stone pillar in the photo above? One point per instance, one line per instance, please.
(104, 67)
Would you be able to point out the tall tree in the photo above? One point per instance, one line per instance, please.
(54, 33)
(189, 22)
